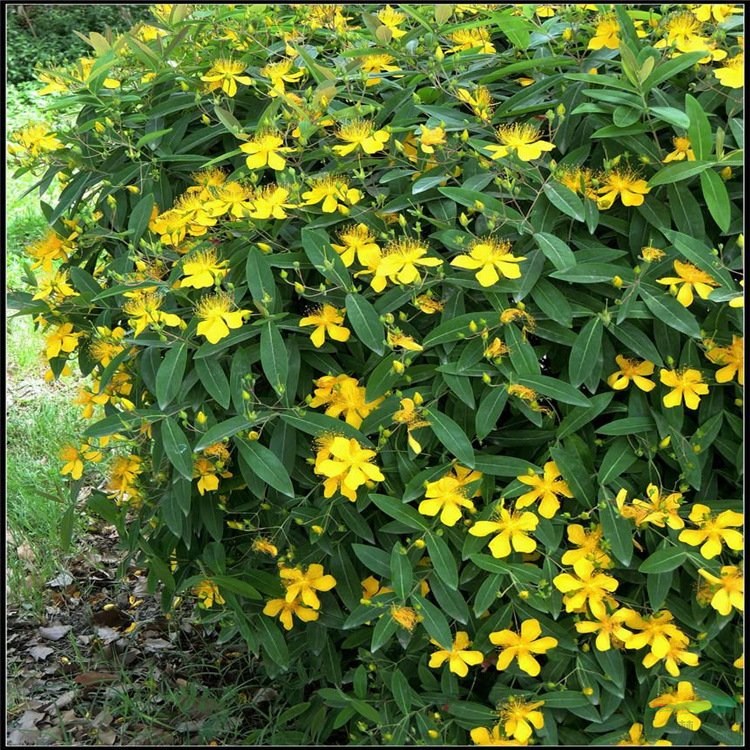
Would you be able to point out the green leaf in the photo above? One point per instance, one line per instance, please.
(374, 558)
(451, 436)
(365, 322)
(316, 425)
(565, 199)
(699, 131)
(679, 171)
(274, 358)
(151, 138)
(434, 621)
(617, 460)
(227, 428)
(618, 531)
(564, 699)
(671, 115)
(667, 70)
(663, 560)
(139, 218)
(700, 254)
(265, 465)
(582, 415)
(442, 560)
(553, 388)
(214, 380)
(627, 426)
(667, 309)
(575, 474)
(657, 588)
(552, 302)
(170, 373)
(325, 259)
(400, 688)
(584, 354)
(228, 120)
(717, 199)
(176, 447)
(489, 411)
(402, 575)
(502, 466)
(385, 628)
(236, 586)
(259, 278)
(272, 641)
(404, 514)
(637, 341)
(523, 357)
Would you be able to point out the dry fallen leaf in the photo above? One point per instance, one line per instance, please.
(55, 632)
(61, 580)
(40, 653)
(90, 679)
(25, 553)
(30, 719)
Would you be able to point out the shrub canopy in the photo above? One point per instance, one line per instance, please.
(416, 352)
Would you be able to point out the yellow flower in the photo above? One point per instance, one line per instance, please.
(144, 310)
(391, 19)
(399, 262)
(632, 369)
(458, 657)
(371, 588)
(469, 39)
(677, 654)
(686, 384)
(589, 546)
(203, 269)
(360, 134)
(522, 646)
(682, 150)
(577, 179)
(683, 703)
(303, 584)
(495, 349)
(607, 33)
(285, 610)
(713, 530)
(431, 137)
(226, 74)
(229, 198)
(409, 415)
(635, 737)
(547, 488)
(357, 241)
(73, 462)
(732, 358)
(622, 184)
(445, 496)
(265, 150)
(123, 472)
(335, 193)
(510, 530)
(491, 259)
(265, 547)
(342, 394)
(657, 631)
(55, 288)
(269, 202)
(327, 319)
(480, 101)
(205, 180)
(519, 716)
(399, 340)
(659, 509)
(732, 73)
(718, 12)
(589, 587)
(689, 277)
(483, 736)
(51, 247)
(406, 617)
(377, 64)
(428, 304)
(727, 591)
(205, 471)
(683, 34)
(278, 73)
(171, 226)
(607, 627)
(62, 340)
(217, 317)
(651, 254)
(522, 139)
(208, 593)
(35, 139)
(192, 209)
(350, 465)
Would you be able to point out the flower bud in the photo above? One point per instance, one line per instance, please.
(439, 54)
(567, 34)
(201, 418)
(726, 173)
(419, 543)
(616, 282)
(253, 435)
(398, 367)
(588, 691)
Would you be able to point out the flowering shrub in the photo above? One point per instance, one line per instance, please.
(416, 355)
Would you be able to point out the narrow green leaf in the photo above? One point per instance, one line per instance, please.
(575, 474)
(274, 358)
(177, 447)
(717, 199)
(326, 260)
(663, 560)
(451, 436)
(679, 171)
(489, 411)
(402, 575)
(139, 218)
(582, 415)
(374, 558)
(553, 388)
(265, 465)
(226, 429)
(699, 131)
(617, 531)
(565, 199)
(555, 250)
(400, 689)
(366, 323)
(272, 641)
(403, 513)
(617, 460)
(442, 560)
(434, 621)
(214, 380)
(585, 352)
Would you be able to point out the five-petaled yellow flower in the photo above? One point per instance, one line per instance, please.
(622, 184)
(458, 656)
(217, 317)
(284, 610)
(713, 530)
(588, 586)
(360, 134)
(203, 269)
(689, 277)
(686, 384)
(607, 33)
(398, 264)
(524, 140)
(510, 530)
(682, 150)
(732, 73)
(683, 703)
(606, 627)
(303, 584)
(519, 716)
(447, 497)
(727, 591)
(491, 259)
(350, 465)
(522, 646)
(327, 320)
(632, 369)
(265, 150)
(208, 593)
(546, 488)
(226, 74)
(732, 359)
